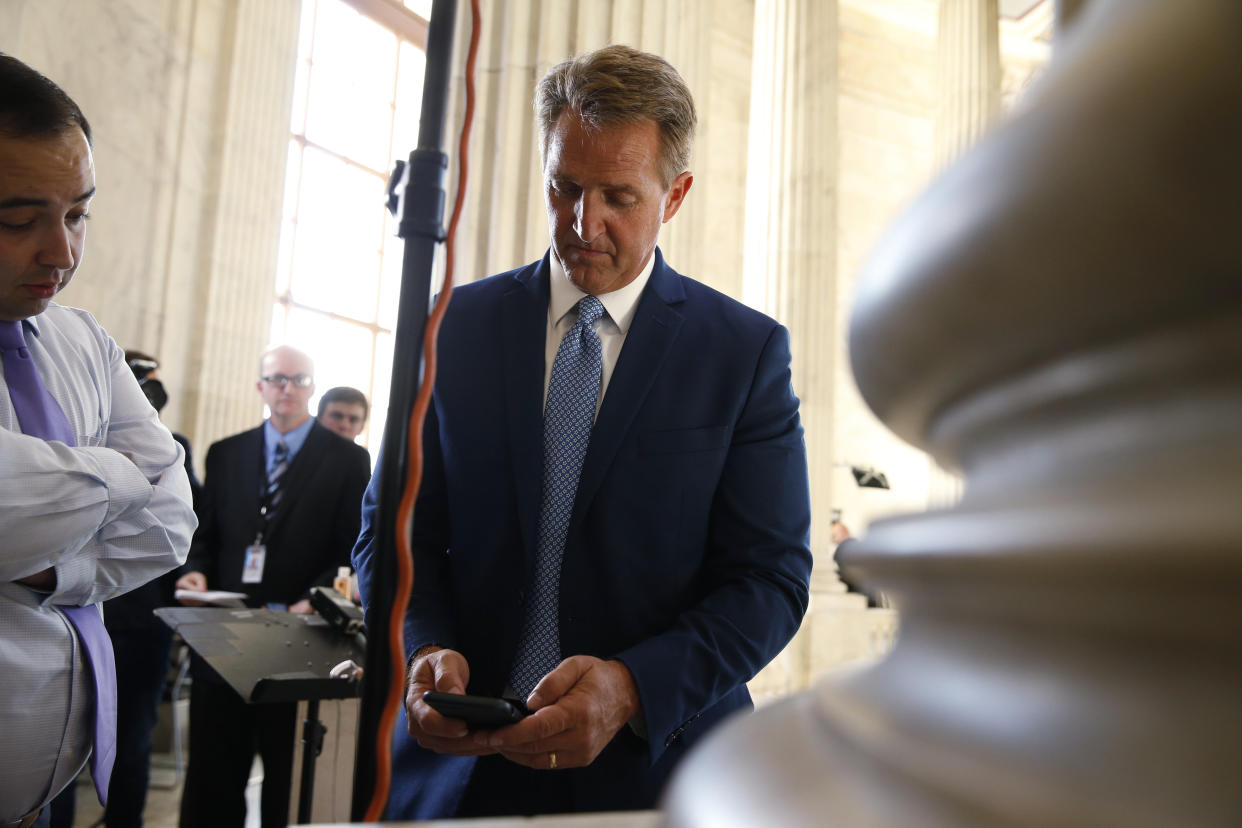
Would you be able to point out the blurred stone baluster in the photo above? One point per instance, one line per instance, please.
(1059, 316)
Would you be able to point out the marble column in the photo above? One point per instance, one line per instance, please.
(968, 58)
(790, 255)
(242, 223)
(504, 223)
(968, 47)
(789, 270)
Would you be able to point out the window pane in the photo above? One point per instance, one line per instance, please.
(301, 79)
(288, 224)
(279, 314)
(306, 28)
(336, 252)
(409, 102)
(341, 351)
(297, 122)
(379, 392)
(390, 278)
(357, 96)
(352, 75)
(293, 178)
(284, 260)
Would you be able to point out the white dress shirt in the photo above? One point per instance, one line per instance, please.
(108, 514)
(612, 328)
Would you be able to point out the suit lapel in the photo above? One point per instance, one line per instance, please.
(648, 343)
(523, 326)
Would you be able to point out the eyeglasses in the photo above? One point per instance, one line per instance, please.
(280, 380)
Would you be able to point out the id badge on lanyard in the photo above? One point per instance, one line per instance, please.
(252, 566)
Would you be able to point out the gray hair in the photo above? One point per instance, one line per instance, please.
(619, 85)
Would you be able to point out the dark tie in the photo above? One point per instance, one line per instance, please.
(573, 391)
(40, 415)
(280, 464)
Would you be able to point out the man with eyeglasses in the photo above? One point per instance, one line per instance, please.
(281, 511)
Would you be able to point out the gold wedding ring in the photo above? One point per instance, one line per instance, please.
(552, 760)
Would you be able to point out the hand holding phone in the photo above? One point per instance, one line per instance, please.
(476, 711)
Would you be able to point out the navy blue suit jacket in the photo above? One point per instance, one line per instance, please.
(687, 553)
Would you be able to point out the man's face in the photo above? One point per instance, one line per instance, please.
(46, 185)
(605, 200)
(346, 419)
(290, 403)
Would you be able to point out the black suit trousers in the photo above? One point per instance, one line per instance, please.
(225, 732)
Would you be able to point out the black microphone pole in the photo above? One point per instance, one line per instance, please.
(417, 191)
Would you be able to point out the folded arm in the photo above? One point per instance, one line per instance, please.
(105, 518)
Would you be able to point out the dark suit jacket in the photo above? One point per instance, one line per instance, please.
(312, 531)
(687, 554)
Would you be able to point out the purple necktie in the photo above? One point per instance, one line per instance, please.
(41, 416)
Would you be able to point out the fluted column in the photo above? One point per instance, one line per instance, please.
(790, 255)
(258, 59)
(504, 223)
(968, 57)
(790, 272)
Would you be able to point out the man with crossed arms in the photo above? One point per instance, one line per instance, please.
(94, 499)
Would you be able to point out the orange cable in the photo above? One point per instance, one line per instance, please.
(405, 511)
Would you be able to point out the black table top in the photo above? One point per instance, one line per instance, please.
(269, 656)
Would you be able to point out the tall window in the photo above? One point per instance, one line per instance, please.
(357, 97)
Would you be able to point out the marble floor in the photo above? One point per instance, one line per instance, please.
(163, 797)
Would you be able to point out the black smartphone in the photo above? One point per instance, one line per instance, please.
(476, 711)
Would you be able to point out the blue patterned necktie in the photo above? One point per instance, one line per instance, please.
(41, 416)
(271, 494)
(567, 418)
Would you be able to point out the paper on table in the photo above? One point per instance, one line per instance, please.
(215, 597)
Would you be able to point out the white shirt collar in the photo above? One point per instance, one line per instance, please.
(33, 321)
(621, 304)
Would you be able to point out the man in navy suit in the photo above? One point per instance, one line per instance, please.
(680, 560)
